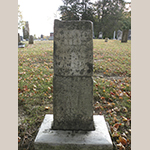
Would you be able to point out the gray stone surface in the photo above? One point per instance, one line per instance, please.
(100, 35)
(119, 34)
(48, 139)
(19, 38)
(31, 39)
(73, 103)
(73, 48)
(114, 35)
(129, 34)
(26, 30)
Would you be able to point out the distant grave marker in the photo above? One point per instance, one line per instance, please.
(19, 38)
(26, 31)
(114, 35)
(31, 39)
(119, 35)
(129, 34)
(100, 35)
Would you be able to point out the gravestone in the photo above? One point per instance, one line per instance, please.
(31, 39)
(125, 36)
(129, 34)
(114, 35)
(26, 31)
(51, 36)
(41, 36)
(21, 38)
(100, 35)
(119, 35)
(106, 39)
(73, 68)
(74, 127)
(18, 38)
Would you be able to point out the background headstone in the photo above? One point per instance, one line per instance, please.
(26, 31)
(31, 39)
(114, 35)
(125, 36)
(119, 34)
(100, 35)
(51, 36)
(21, 38)
(41, 36)
(73, 69)
(106, 39)
(129, 34)
(18, 38)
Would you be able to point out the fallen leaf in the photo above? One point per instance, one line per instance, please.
(34, 85)
(129, 130)
(115, 134)
(120, 146)
(128, 100)
(116, 109)
(112, 93)
(116, 125)
(124, 135)
(34, 89)
(122, 140)
(46, 108)
(19, 139)
(102, 98)
(125, 109)
(124, 119)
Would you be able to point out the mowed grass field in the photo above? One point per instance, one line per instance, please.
(111, 89)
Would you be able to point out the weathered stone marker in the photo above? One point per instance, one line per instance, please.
(26, 30)
(31, 39)
(19, 38)
(114, 35)
(72, 125)
(73, 68)
(119, 34)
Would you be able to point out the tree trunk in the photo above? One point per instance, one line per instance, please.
(124, 36)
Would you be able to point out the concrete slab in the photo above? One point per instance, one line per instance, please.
(48, 139)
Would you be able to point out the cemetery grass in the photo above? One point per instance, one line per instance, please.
(111, 89)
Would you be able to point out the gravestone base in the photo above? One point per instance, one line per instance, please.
(48, 139)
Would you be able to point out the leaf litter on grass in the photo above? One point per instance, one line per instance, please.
(111, 89)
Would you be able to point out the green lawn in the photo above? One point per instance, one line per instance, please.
(111, 88)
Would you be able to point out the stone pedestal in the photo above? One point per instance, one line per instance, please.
(48, 139)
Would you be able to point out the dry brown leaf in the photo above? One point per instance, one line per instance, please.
(120, 146)
(117, 125)
(123, 140)
(125, 109)
(116, 109)
(50, 96)
(124, 119)
(46, 108)
(19, 139)
(115, 134)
